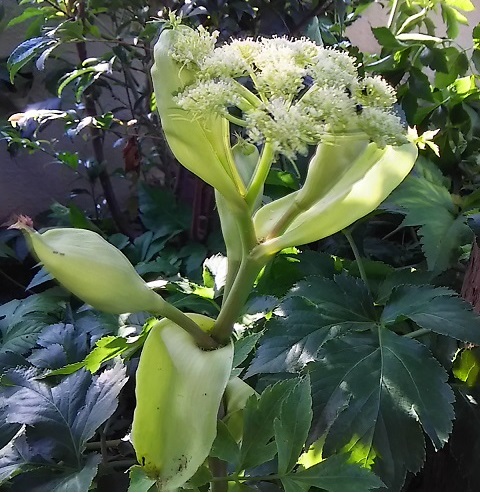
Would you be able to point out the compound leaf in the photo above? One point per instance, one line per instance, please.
(371, 392)
(318, 309)
(21, 321)
(430, 206)
(69, 413)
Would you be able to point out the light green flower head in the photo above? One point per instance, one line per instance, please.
(291, 93)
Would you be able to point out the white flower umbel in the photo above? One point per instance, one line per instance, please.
(284, 125)
(375, 91)
(289, 93)
(207, 97)
(382, 127)
(193, 46)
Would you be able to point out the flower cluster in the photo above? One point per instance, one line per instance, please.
(291, 93)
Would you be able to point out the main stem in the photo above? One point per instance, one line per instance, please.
(240, 285)
(237, 296)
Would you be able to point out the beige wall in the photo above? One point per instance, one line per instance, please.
(361, 35)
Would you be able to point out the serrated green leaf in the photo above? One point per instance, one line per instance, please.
(21, 321)
(17, 457)
(42, 276)
(257, 446)
(289, 267)
(438, 309)
(371, 392)
(243, 347)
(106, 349)
(292, 425)
(67, 414)
(403, 276)
(319, 309)
(430, 206)
(225, 447)
(77, 481)
(344, 298)
(337, 474)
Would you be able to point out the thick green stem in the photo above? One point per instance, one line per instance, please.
(261, 172)
(237, 296)
(203, 340)
(233, 265)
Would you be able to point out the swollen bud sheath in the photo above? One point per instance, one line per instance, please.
(200, 144)
(92, 269)
(304, 218)
(179, 389)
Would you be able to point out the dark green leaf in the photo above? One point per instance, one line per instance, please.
(159, 211)
(292, 485)
(42, 276)
(403, 276)
(419, 85)
(386, 38)
(7, 431)
(17, 457)
(243, 347)
(76, 481)
(292, 425)
(21, 321)
(318, 309)
(371, 392)
(287, 268)
(61, 344)
(257, 445)
(336, 474)
(437, 309)
(342, 299)
(225, 447)
(431, 207)
(69, 413)
(281, 349)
